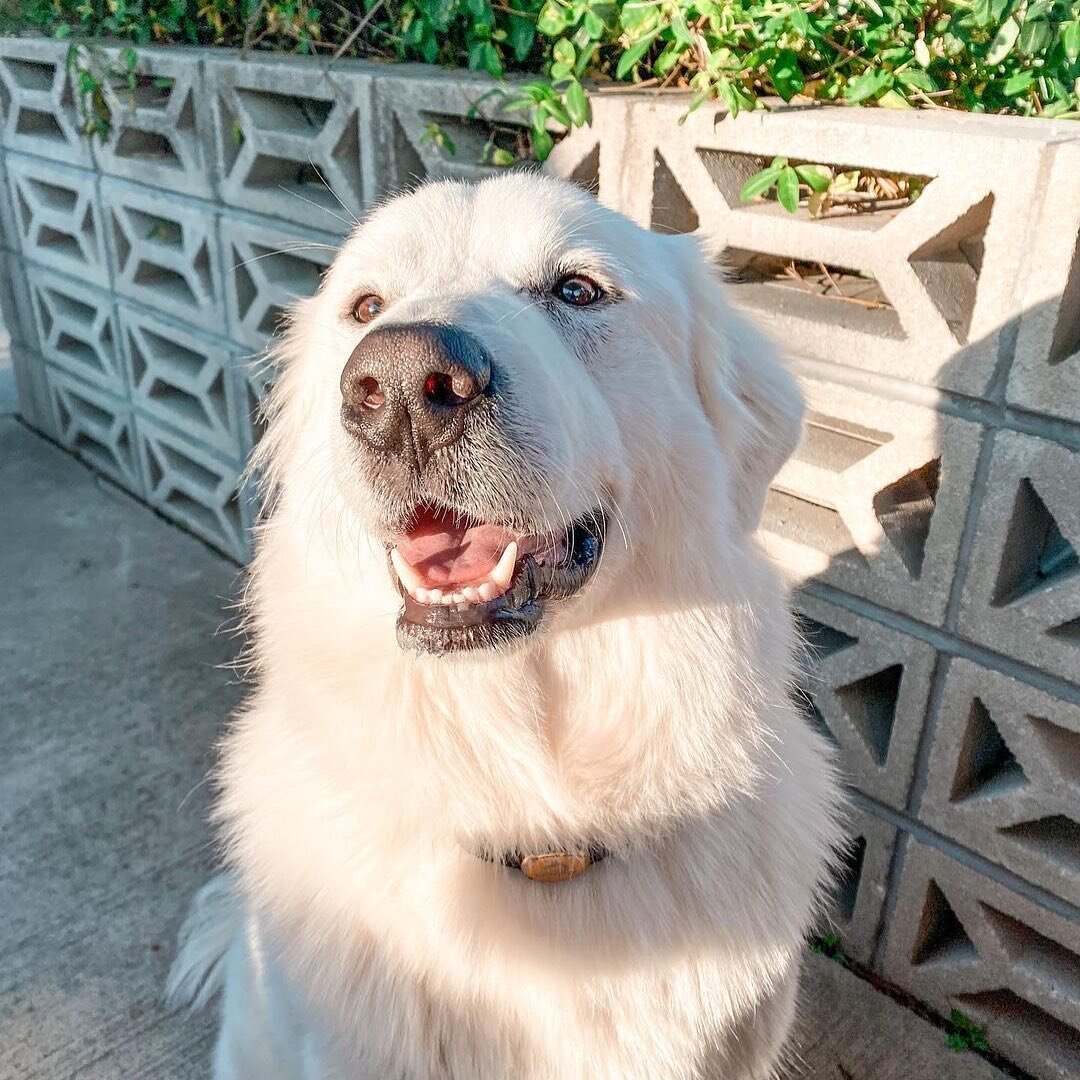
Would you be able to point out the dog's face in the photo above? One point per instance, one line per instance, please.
(511, 373)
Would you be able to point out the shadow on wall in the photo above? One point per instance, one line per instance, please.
(934, 538)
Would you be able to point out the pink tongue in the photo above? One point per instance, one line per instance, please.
(447, 551)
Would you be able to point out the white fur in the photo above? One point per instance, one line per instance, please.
(650, 713)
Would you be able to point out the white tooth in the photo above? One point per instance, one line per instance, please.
(446, 599)
(434, 596)
(488, 591)
(405, 572)
(458, 598)
(419, 595)
(502, 573)
(470, 594)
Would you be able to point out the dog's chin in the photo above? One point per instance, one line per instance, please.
(548, 571)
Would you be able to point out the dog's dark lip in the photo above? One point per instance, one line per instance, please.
(517, 612)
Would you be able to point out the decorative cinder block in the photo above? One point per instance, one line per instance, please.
(164, 252)
(266, 269)
(1045, 373)
(35, 406)
(292, 139)
(865, 687)
(76, 329)
(159, 131)
(9, 234)
(1022, 590)
(97, 426)
(182, 379)
(962, 941)
(855, 912)
(874, 499)
(920, 292)
(192, 486)
(15, 309)
(433, 123)
(1004, 776)
(592, 155)
(38, 112)
(58, 217)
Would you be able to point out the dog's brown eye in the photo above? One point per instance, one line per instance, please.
(367, 308)
(578, 290)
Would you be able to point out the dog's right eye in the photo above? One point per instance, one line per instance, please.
(367, 308)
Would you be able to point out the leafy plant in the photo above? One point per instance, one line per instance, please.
(965, 1034)
(823, 187)
(1012, 56)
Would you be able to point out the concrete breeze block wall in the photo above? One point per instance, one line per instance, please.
(929, 521)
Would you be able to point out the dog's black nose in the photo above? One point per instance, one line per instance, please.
(407, 389)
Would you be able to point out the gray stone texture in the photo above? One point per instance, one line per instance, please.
(160, 131)
(963, 941)
(866, 686)
(873, 500)
(38, 111)
(294, 142)
(164, 252)
(1045, 374)
(114, 689)
(58, 217)
(1022, 591)
(1004, 777)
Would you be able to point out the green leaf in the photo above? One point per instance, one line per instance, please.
(1070, 40)
(760, 182)
(1003, 42)
(800, 21)
(921, 80)
(500, 157)
(867, 85)
(1036, 36)
(557, 111)
(543, 144)
(564, 52)
(1018, 83)
(787, 189)
(633, 55)
(892, 99)
(553, 20)
(816, 177)
(577, 104)
(786, 74)
(521, 33)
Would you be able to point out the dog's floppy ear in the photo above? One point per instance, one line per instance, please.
(751, 399)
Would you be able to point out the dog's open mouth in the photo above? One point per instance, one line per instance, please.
(470, 584)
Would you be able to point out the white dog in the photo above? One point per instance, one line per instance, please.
(521, 792)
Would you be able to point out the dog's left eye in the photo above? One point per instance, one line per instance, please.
(367, 308)
(577, 290)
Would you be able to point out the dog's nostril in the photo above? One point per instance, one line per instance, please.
(373, 396)
(449, 390)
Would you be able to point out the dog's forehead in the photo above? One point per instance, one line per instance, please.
(508, 228)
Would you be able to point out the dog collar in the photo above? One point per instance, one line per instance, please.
(550, 867)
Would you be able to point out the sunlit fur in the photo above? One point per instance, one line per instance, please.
(649, 714)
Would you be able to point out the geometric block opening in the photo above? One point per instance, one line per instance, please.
(409, 167)
(836, 444)
(1066, 340)
(1043, 959)
(38, 125)
(985, 766)
(474, 140)
(157, 230)
(849, 877)
(1068, 632)
(586, 174)
(1060, 744)
(292, 113)
(1055, 838)
(870, 704)
(904, 510)
(822, 292)
(165, 281)
(1001, 1011)
(672, 211)
(1036, 556)
(820, 640)
(135, 144)
(818, 527)
(949, 264)
(941, 936)
(31, 74)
